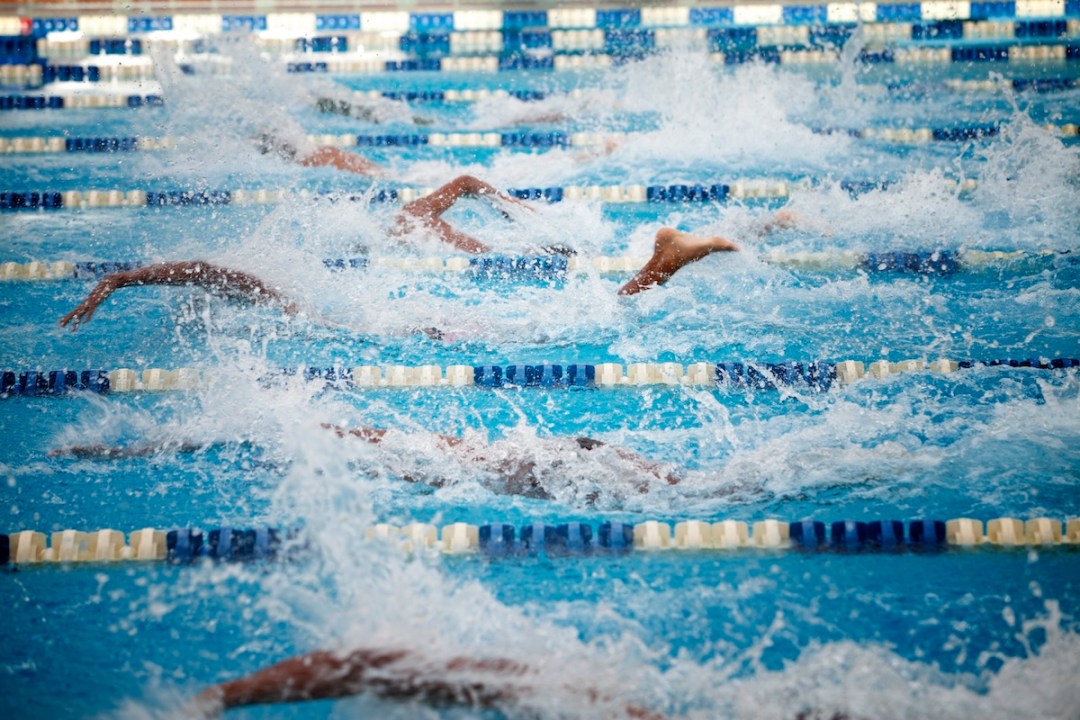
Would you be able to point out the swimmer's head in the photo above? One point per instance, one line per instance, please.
(269, 144)
(333, 107)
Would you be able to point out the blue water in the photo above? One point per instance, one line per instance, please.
(745, 634)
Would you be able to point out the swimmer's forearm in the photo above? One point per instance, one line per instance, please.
(376, 435)
(315, 676)
(349, 162)
(131, 451)
(325, 675)
(233, 284)
(372, 435)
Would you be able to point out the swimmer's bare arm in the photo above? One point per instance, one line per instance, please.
(229, 283)
(326, 675)
(384, 673)
(340, 160)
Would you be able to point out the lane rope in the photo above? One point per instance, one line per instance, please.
(37, 76)
(746, 189)
(186, 545)
(549, 267)
(77, 101)
(916, 20)
(815, 376)
(512, 139)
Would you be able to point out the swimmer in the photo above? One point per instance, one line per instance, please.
(421, 214)
(369, 112)
(672, 251)
(398, 674)
(323, 156)
(519, 470)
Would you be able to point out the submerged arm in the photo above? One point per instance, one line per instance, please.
(132, 451)
(653, 468)
(375, 435)
(229, 283)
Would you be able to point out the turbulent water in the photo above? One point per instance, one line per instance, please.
(752, 635)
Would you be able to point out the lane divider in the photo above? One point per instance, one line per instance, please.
(547, 267)
(186, 545)
(718, 31)
(515, 139)
(749, 189)
(722, 53)
(918, 20)
(815, 376)
(70, 101)
(723, 34)
(327, 104)
(78, 101)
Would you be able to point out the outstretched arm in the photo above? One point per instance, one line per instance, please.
(389, 674)
(349, 162)
(326, 675)
(375, 435)
(232, 284)
(109, 452)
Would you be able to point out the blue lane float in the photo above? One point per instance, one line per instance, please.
(53, 382)
(31, 200)
(115, 46)
(188, 197)
(939, 262)
(818, 376)
(70, 73)
(185, 545)
(538, 267)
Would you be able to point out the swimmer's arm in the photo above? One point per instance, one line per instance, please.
(483, 191)
(602, 150)
(109, 452)
(653, 468)
(325, 675)
(375, 435)
(233, 284)
(315, 676)
(349, 162)
(484, 684)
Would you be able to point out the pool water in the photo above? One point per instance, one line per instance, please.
(696, 633)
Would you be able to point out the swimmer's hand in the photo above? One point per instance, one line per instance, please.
(207, 705)
(518, 202)
(85, 310)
